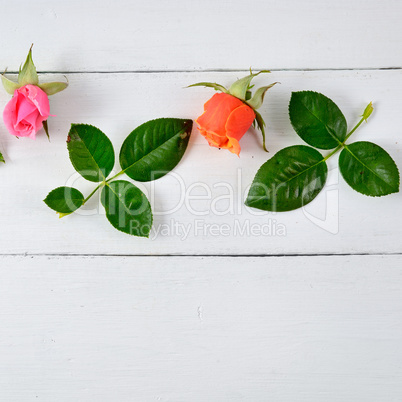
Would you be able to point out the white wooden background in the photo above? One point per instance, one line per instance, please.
(308, 310)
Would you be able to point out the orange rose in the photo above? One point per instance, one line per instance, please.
(224, 121)
(229, 114)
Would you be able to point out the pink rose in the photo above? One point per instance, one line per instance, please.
(27, 110)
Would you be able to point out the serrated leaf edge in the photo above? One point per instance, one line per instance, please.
(69, 153)
(328, 129)
(179, 133)
(107, 215)
(292, 178)
(346, 148)
(61, 213)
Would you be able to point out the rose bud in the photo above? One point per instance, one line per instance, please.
(228, 115)
(225, 120)
(28, 110)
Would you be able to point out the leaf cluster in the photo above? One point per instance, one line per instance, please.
(148, 153)
(294, 176)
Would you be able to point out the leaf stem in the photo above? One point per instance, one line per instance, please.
(93, 192)
(353, 130)
(103, 183)
(334, 151)
(113, 177)
(365, 116)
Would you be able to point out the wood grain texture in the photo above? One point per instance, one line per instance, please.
(78, 324)
(208, 186)
(184, 329)
(157, 35)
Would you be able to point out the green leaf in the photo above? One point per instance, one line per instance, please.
(258, 98)
(64, 200)
(1, 158)
(127, 208)
(51, 88)
(155, 148)
(28, 74)
(369, 169)
(9, 86)
(91, 152)
(213, 85)
(240, 87)
(317, 120)
(292, 178)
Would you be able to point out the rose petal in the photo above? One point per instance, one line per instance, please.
(232, 145)
(31, 119)
(214, 141)
(24, 108)
(217, 111)
(8, 113)
(26, 111)
(39, 99)
(238, 122)
(23, 129)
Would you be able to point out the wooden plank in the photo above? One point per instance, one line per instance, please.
(194, 35)
(338, 221)
(217, 329)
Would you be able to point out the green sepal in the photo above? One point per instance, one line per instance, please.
(213, 85)
(51, 88)
(28, 74)
(9, 86)
(46, 128)
(258, 98)
(240, 87)
(259, 121)
(1, 158)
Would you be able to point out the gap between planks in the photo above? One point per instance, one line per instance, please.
(201, 255)
(217, 70)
